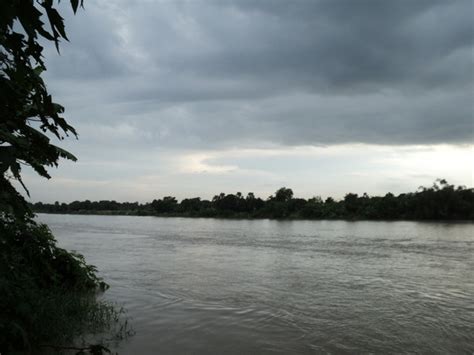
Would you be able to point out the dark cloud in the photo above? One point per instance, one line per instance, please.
(208, 74)
(331, 45)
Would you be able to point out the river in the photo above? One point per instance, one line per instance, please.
(213, 286)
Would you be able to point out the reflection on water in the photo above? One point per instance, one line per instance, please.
(224, 286)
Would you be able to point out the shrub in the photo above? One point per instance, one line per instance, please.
(48, 296)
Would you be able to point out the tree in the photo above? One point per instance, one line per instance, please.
(351, 202)
(40, 283)
(167, 205)
(229, 202)
(28, 112)
(283, 194)
(190, 204)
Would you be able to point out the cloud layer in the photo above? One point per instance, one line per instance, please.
(197, 97)
(213, 74)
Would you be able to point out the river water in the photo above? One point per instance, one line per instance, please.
(210, 286)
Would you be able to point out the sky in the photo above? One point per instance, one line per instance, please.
(193, 98)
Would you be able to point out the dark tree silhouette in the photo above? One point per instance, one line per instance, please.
(40, 283)
(27, 109)
(440, 201)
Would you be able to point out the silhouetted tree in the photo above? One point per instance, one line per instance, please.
(27, 109)
(440, 201)
(283, 195)
(167, 205)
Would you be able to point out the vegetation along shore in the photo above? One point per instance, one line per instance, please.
(441, 201)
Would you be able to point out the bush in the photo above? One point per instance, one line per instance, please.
(48, 296)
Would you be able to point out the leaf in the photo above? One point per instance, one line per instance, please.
(57, 22)
(38, 69)
(7, 158)
(15, 169)
(26, 107)
(64, 153)
(75, 5)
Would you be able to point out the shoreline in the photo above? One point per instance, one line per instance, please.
(237, 218)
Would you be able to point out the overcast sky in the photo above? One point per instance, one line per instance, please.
(193, 98)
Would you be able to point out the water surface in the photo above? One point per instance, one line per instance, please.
(210, 286)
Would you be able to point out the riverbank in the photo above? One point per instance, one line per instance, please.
(49, 296)
(438, 202)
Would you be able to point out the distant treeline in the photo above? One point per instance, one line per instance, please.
(441, 201)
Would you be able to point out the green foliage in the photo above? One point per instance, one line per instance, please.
(28, 111)
(442, 201)
(31, 247)
(47, 294)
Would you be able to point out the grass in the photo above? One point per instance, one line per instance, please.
(50, 299)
